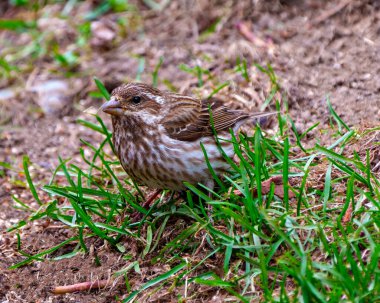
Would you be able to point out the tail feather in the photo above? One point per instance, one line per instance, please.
(257, 118)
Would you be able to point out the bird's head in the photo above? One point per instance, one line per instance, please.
(150, 106)
(138, 100)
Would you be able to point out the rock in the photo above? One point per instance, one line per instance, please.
(103, 33)
(7, 93)
(53, 96)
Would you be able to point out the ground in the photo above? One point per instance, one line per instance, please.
(317, 49)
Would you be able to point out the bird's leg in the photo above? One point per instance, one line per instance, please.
(136, 216)
(210, 184)
(151, 198)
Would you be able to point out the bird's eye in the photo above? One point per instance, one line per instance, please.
(136, 99)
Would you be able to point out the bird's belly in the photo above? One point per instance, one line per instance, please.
(168, 164)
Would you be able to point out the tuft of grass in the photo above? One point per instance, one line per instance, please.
(241, 67)
(197, 71)
(209, 31)
(16, 25)
(155, 72)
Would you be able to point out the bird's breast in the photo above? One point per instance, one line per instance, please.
(158, 161)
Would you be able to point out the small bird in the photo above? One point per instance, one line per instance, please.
(157, 135)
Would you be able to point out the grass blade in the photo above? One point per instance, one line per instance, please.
(25, 162)
(156, 280)
(102, 88)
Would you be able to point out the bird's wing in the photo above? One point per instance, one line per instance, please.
(181, 111)
(190, 124)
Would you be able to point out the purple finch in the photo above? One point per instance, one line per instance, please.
(158, 135)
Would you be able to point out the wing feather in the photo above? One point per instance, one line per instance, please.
(182, 111)
(191, 123)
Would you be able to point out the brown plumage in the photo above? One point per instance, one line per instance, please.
(157, 135)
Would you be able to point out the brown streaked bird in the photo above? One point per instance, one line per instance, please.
(157, 135)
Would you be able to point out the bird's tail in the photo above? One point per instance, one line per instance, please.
(261, 118)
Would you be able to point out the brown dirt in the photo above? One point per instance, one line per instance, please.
(314, 50)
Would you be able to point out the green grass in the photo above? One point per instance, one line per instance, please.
(289, 249)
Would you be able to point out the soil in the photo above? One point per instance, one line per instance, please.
(318, 49)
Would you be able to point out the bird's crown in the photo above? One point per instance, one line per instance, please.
(137, 92)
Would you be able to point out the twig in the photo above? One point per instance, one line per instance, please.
(85, 286)
(265, 187)
(245, 31)
(331, 12)
(347, 216)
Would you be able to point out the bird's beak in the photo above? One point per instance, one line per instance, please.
(112, 107)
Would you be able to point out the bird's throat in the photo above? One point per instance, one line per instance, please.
(129, 131)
